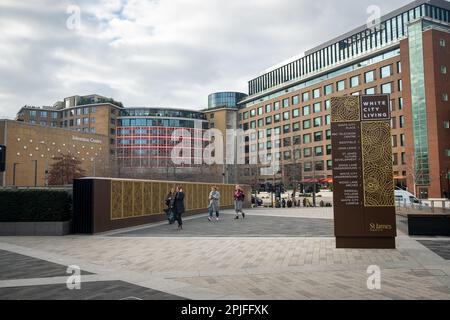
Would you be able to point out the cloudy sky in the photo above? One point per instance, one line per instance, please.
(170, 53)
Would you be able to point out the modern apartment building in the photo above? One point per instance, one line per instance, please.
(406, 56)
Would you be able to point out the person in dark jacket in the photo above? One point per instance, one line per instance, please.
(178, 207)
(170, 199)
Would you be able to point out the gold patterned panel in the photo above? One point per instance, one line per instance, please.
(127, 199)
(138, 199)
(344, 109)
(377, 164)
(155, 197)
(147, 198)
(116, 200)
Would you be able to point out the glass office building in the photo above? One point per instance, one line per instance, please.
(225, 99)
(145, 137)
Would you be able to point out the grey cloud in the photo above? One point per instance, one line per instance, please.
(158, 53)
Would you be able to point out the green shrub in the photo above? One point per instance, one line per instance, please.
(34, 205)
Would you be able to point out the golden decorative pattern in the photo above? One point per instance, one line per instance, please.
(344, 109)
(138, 201)
(143, 198)
(116, 199)
(128, 196)
(377, 164)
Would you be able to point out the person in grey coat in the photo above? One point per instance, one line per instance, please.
(213, 206)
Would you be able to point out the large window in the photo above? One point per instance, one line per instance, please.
(306, 110)
(285, 103)
(386, 88)
(317, 122)
(295, 100)
(328, 89)
(340, 86)
(306, 124)
(305, 96)
(369, 76)
(296, 126)
(317, 107)
(296, 113)
(286, 115)
(354, 81)
(370, 91)
(316, 93)
(386, 71)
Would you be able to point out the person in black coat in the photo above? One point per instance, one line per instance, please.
(178, 207)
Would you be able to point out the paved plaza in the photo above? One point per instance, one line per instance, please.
(272, 254)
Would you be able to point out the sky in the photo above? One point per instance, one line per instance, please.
(157, 53)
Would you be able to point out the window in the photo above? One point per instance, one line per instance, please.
(357, 93)
(85, 120)
(445, 97)
(317, 136)
(276, 106)
(327, 119)
(386, 88)
(297, 154)
(306, 124)
(402, 140)
(307, 138)
(296, 126)
(327, 104)
(354, 82)
(285, 103)
(286, 115)
(328, 89)
(286, 128)
(385, 71)
(402, 121)
(277, 131)
(319, 166)
(307, 153)
(328, 149)
(268, 120)
(370, 91)
(276, 118)
(253, 125)
(317, 122)
(447, 152)
(269, 132)
(446, 124)
(329, 164)
(305, 96)
(394, 141)
(318, 151)
(78, 111)
(78, 123)
(399, 67)
(369, 76)
(400, 85)
(328, 134)
(260, 111)
(400, 103)
(92, 130)
(316, 93)
(297, 140)
(316, 107)
(252, 113)
(306, 110)
(268, 108)
(260, 123)
(307, 166)
(86, 110)
(245, 115)
(287, 155)
(295, 100)
(340, 86)
(44, 114)
(443, 69)
(442, 43)
(296, 113)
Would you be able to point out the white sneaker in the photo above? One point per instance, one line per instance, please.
(217, 219)
(209, 218)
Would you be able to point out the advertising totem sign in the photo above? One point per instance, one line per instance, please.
(364, 202)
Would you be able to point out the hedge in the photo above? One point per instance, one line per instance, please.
(35, 206)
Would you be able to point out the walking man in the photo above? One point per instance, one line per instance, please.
(179, 206)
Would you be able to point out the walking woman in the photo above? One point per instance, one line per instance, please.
(213, 206)
(179, 206)
(239, 197)
(170, 199)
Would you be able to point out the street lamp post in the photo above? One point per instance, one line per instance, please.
(35, 172)
(314, 179)
(14, 173)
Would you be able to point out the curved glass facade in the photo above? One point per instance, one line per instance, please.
(145, 137)
(225, 99)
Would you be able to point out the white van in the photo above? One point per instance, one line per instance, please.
(405, 198)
